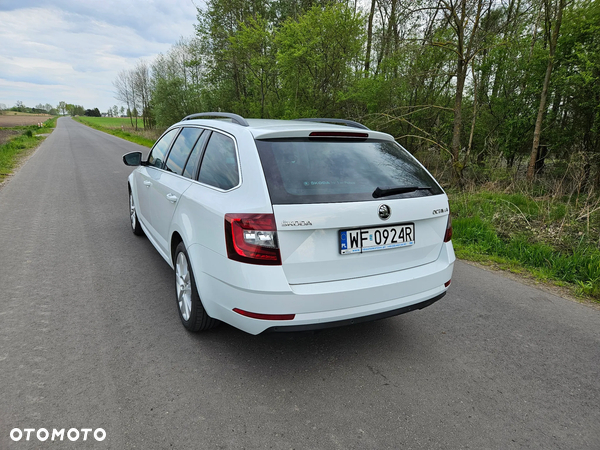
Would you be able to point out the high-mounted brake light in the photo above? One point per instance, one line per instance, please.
(252, 239)
(338, 134)
(448, 234)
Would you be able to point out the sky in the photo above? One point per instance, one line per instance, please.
(72, 50)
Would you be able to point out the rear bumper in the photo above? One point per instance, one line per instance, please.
(224, 285)
(342, 323)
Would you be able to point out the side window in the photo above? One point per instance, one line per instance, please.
(181, 149)
(194, 160)
(219, 166)
(157, 155)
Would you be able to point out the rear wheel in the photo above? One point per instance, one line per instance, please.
(191, 312)
(135, 223)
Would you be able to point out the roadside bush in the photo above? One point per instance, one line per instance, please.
(546, 236)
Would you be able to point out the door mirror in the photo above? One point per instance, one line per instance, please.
(133, 159)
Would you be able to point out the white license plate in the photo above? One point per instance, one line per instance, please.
(380, 238)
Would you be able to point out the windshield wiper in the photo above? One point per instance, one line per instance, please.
(393, 190)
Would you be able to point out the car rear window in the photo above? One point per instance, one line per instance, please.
(339, 170)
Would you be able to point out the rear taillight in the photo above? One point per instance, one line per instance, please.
(252, 238)
(448, 234)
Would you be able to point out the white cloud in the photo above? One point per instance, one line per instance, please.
(72, 50)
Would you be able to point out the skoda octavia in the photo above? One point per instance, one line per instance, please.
(285, 225)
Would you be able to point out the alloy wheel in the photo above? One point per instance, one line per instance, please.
(184, 286)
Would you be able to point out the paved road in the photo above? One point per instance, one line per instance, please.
(90, 338)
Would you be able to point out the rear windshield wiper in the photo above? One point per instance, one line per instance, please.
(393, 190)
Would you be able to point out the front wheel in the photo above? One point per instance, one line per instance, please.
(191, 312)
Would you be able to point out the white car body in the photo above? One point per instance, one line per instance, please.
(314, 285)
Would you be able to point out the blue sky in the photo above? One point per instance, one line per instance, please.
(72, 50)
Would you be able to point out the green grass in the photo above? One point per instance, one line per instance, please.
(11, 151)
(545, 237)
(146, 138)
(111, 122)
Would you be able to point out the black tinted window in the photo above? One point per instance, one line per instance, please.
(219, 166)
(318, 171)
(157, 155)
(182, 147)
(194, 160)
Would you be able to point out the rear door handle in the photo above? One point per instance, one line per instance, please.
(172, 198)
(147, 183)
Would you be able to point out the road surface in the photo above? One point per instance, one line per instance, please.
(90, 339)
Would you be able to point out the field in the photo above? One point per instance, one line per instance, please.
(112, 122)
(21, 120)
(19, 133)
(121, 127)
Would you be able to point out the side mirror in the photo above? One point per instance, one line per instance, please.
(133, 159)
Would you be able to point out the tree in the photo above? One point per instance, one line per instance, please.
(126, 92)
(317, 58)
(464, 18)
(253, 47)
(552, 26)
(140, 77)
(177, 79)
(93, 112)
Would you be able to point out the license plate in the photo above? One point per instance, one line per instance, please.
(379, 238)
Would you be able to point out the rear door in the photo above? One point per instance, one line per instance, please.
(349, 208)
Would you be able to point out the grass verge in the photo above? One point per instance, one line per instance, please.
(25, 138)
(116, 127)
(552, 240)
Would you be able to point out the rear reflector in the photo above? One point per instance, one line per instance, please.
(252, 238)
(264, 316)
(343, 134)
(447, 283)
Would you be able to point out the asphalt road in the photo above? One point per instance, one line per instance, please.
(90, 338)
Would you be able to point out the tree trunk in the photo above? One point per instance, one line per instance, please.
(538, 123)
(456, 146)
(369, 39)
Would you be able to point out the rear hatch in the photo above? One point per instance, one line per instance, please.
(351, 207)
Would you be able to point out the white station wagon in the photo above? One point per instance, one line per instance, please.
(287, 225)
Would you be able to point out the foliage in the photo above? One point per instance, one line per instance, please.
(318, 60)
(253, 48)
(92, 112)
(545, 235)
(176, 83)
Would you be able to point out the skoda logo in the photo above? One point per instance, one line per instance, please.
(384, 212)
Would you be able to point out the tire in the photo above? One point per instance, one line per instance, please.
(133, 218)
(191, 312)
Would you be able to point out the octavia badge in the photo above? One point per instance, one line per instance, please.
(384, 212)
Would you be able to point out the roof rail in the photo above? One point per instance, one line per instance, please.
(235, 118)
(350, 123)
